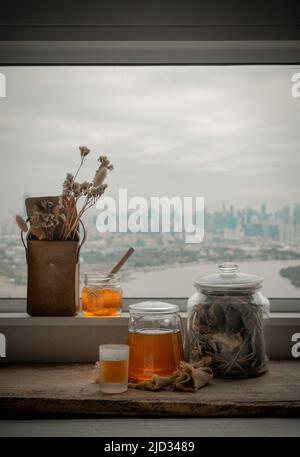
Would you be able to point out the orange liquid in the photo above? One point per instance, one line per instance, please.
(114, 371)
(101, 302)
(154, 352)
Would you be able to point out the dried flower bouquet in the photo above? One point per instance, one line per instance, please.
(57, 218)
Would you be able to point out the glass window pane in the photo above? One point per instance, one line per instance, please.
(229, 134)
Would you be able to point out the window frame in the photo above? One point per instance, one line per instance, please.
(229, 52)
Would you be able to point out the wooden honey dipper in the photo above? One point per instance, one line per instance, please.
(121, 262)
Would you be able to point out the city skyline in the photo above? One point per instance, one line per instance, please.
(232, 234)
(292, 212)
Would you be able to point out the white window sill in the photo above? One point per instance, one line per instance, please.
(23, 319)
(76, 339)
(278, 305)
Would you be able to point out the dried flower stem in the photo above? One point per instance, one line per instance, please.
(21, 223)
(77, 219)
(78, 169)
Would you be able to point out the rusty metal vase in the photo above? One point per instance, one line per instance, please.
(53, 270)
(53, 278)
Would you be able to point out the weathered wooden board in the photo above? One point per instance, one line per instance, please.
(68, 389)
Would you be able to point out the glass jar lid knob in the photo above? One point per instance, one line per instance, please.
(228, 269)
(228, 278)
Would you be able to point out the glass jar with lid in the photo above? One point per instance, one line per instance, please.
(228, 319)
(102, 295)
(155, 339)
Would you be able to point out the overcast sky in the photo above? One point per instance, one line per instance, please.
(229, 134)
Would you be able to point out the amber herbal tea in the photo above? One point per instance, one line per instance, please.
(152, 352)
(113, 368)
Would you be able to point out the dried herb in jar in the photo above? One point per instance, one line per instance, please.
(228, 324)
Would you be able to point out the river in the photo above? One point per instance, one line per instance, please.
(178, 281)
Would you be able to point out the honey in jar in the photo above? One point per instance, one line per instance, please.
(102, 295)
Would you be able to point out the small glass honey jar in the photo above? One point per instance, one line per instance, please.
(102, 295)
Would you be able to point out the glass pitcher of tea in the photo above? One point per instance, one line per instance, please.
(155, 339)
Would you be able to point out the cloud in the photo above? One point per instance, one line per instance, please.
(213, 131)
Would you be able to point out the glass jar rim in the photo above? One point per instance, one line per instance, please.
(153, 307)
(94, 279)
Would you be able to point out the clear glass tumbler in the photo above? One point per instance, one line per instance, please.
(113, 368)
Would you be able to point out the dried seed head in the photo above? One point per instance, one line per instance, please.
(105, 162)
(61, 202)
(96, 192)
(43, 224)
(85, 185)
(102, 171)
(100, 176)
(21, 223)
(56, 210)
(39, 233)
(84, 151)
(47, 205)
(68, 184)
(76, 189)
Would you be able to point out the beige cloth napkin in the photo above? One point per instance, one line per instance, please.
(189, 377)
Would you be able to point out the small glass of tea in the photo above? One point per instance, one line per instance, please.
(113, 368)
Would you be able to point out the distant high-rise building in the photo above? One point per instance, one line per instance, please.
(263, 212)
(286, 229)
(272, 230)
(249, 214)
(296, 227)
(286, 215)
(219, 223)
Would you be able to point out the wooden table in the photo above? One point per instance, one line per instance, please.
(67, 389)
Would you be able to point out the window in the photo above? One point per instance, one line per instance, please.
(227, 133)
(196, 127)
